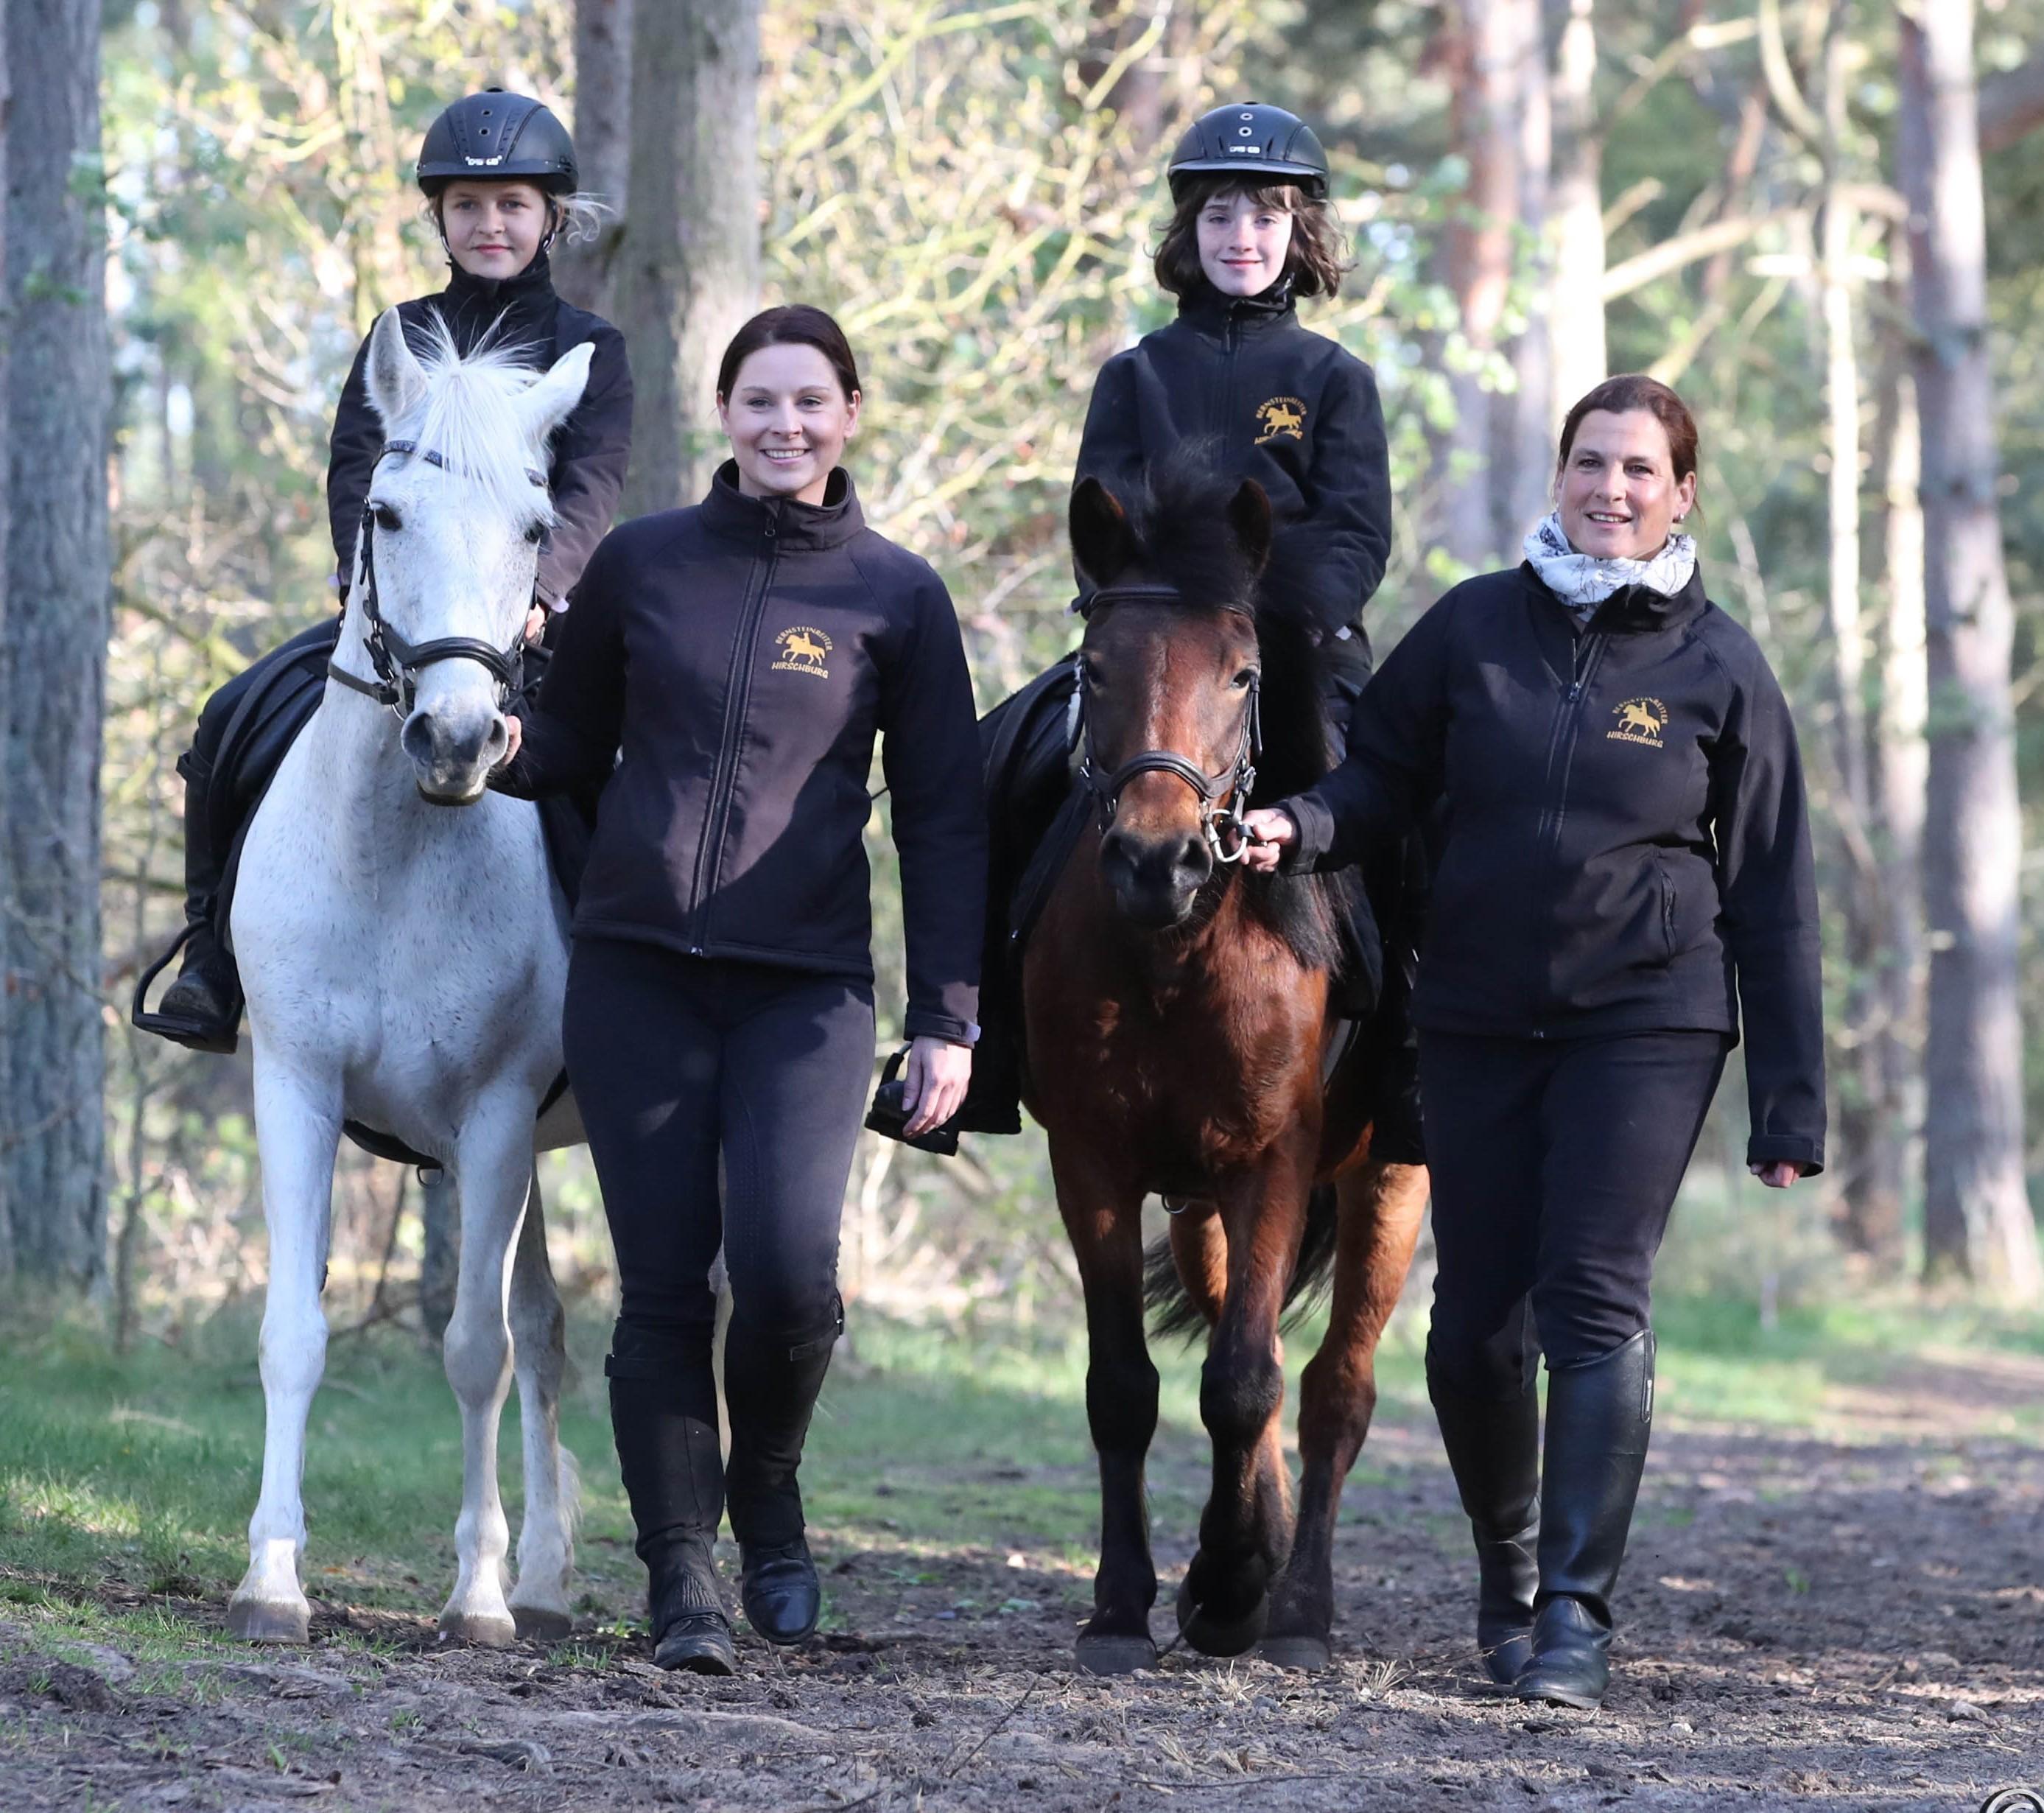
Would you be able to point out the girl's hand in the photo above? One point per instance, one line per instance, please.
(936, 1076)
(1268, 830)
(514, 733)
(1779, 1175)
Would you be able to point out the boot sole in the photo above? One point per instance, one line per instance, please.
(695, 1657)
(1575, 1702)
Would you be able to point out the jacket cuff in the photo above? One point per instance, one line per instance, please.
(924, 1023)
(1790, 1148)
(1316, 826)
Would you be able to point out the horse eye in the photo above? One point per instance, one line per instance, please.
(1243, 679)
(536, 531)
(387, 518)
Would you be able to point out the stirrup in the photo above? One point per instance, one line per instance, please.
(196, 1034)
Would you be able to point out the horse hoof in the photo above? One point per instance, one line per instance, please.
(1115, 1655)
(485, 1632)
(1309, 1654)
(1213, 1636)
(541, 1624)
(265, 1621)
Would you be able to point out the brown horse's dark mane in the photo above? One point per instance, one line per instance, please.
(1186, 539)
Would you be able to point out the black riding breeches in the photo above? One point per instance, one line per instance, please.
(1554, 1163)
(677, 1060)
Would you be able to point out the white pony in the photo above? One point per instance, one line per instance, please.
(404, 949)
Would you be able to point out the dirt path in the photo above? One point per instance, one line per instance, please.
(1852, 1623)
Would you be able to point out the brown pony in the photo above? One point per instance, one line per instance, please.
(1176, 1012)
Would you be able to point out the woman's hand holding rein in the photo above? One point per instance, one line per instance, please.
(1267, 830)
(936, 1075)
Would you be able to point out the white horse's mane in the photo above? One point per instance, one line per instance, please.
(469, 417)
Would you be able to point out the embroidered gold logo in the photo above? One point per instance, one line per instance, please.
(1640, 720)
(802, 649)
(1281, 416)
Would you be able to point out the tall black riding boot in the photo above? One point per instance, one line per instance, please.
(665, 1423)
(203, 1008)
(1494, 1449)
(771, 1384)
(1599, 1418)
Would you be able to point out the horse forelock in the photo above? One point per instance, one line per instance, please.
(470, 419)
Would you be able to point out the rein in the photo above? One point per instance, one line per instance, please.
(1222, 796)
(398, 664)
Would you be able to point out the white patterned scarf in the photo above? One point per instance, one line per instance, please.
(1582, 581)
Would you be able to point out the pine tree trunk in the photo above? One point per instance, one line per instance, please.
(603, 146)
(1575, 321)
(1977, 1221)
(689, 260)
(6, 1090)
(54, 648)
(1525, 419)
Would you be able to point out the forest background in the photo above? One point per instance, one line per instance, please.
(1821, 221)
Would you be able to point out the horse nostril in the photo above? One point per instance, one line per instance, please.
(418, 739)
(1195, 862)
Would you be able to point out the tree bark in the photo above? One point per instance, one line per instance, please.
(603, 145)
(1525, 421)
(2011, 104)
(7, 1089)
(1486, 43)
(689, 260)
(51, 1143)
(1575, 324)
(1977, 1221)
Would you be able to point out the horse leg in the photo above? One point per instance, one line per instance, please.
(1104, 1218)
(298, 1128)
(493, 1171)
(539, 1353)
(1381, 1207)
(1245, 1530)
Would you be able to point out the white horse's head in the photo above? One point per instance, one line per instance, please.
(454, 527)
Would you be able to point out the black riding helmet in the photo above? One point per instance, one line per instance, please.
(1250, 140)
(494, 137)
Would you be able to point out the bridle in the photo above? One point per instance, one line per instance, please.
(398, 664)
(1222, 796)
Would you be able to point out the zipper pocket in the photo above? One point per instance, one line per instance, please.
(1667, 901)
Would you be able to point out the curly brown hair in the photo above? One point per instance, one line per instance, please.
(1314, 262)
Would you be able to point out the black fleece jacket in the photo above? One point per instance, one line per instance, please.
(744, 653)
(589, 450)
(1627, 843)
(1274, 402)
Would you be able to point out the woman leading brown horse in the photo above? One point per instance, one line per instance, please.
(1178, 1037)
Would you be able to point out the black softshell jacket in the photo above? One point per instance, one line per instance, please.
(1274, 402)
(743, 654)
(589, 450)
(1627, 843)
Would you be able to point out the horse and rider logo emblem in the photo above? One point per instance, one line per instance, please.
(1640, 720)
(1281, 416)
(802, 649)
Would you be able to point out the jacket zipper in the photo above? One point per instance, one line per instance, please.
(737, 697)
(1561, 741)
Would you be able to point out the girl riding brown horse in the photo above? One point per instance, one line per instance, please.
(1177, 1038)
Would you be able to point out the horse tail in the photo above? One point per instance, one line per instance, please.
(1177, 1314)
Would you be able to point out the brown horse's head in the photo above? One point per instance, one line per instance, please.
(1170, 666)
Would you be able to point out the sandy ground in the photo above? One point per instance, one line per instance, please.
(1853, 1622)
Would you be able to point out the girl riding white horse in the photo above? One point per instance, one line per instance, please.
(403, 948)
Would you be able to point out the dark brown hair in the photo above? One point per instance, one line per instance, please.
(1635, 390)
(1315, 261)
(795, 324)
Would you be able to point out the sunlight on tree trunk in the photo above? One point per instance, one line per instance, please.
(689, 260)
(1977, 1220)
(1575, 325)
(603, 146)
(51, 1126)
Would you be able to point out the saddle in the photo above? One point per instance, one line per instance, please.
(265, 724)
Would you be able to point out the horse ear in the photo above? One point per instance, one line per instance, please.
(1249, 515)
(552, 400)
(396, 381)
(1103, 544)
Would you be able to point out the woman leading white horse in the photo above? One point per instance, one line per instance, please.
(404, 951)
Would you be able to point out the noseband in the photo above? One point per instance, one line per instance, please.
(398, 664)
(1222, 796)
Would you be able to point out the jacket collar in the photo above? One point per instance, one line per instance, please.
(727, 511)
(1206, 308)
(1630, 609)
(520, 309)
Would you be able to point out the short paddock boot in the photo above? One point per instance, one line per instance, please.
(1599, 1418)
(771, 1384)
(666, 1429)
(1494, 1448)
